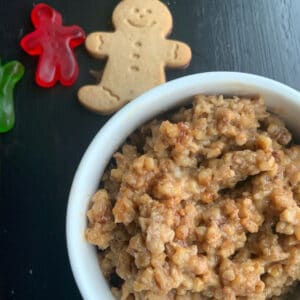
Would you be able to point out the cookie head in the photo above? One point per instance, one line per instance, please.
(143, 14)
(44, 14)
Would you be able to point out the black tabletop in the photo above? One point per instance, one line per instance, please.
(39, 156)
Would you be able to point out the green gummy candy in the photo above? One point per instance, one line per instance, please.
(10, 74)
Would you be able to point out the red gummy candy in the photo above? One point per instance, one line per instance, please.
(53, 42)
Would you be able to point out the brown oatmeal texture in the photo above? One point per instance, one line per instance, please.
(203, 205)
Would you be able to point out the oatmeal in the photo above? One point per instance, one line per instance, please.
(204, 205)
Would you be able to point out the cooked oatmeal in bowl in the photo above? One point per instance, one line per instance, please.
(244, 212)
(203, 203)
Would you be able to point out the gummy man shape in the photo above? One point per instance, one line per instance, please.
(137, 52)
(53, 42)
(10, 74)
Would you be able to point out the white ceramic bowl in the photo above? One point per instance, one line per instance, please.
(279, 98)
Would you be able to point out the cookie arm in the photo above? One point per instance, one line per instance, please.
(178, 54)
(98, 44)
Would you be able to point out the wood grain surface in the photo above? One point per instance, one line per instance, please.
(39, 157)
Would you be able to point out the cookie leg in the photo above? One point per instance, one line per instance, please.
(100, 99)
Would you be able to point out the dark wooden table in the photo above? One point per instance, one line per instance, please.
(39, 157)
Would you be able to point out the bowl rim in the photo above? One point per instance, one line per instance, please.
(130, 115)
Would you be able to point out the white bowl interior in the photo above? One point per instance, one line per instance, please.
(279, 98)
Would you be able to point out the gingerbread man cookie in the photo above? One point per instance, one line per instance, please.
(137, 52)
